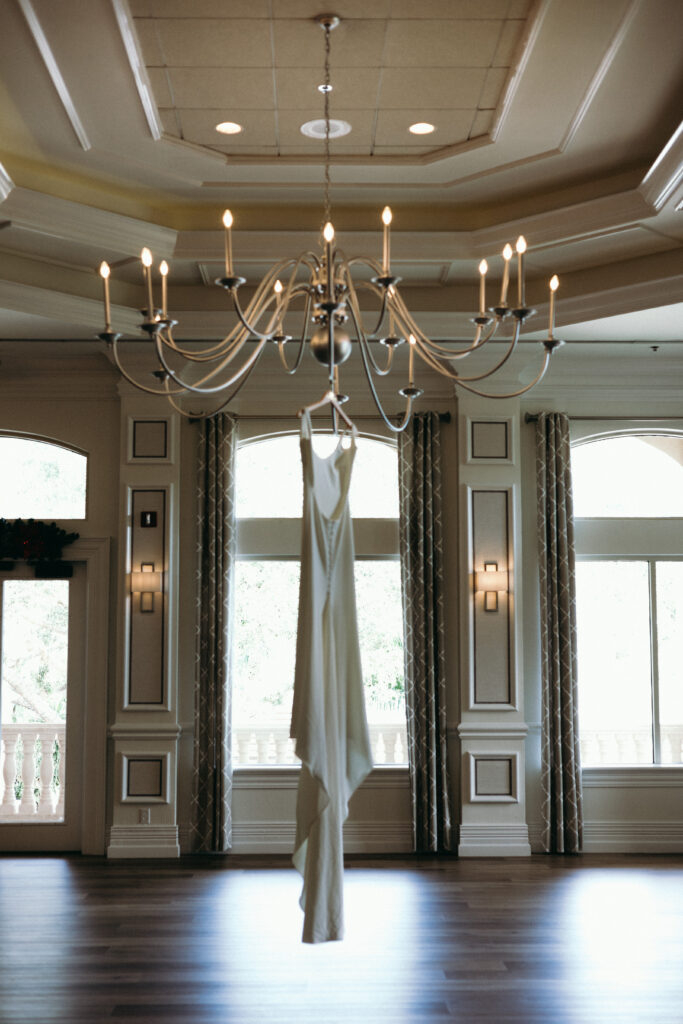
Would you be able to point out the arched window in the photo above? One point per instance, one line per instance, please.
(628, 492)
(41, 480)
(269, 493)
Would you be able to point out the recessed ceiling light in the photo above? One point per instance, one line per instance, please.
(325, 87)
(229, 128)
(421, 128)
(316, 129)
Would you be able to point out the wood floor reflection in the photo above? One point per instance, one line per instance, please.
(546, 939)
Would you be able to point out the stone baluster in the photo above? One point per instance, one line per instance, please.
(399, 753)
(27, 807)
(262, 746)
(282, 749)
(61, 767)
(9, 805)
(46, 802)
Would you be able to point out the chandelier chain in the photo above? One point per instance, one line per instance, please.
(326, 94)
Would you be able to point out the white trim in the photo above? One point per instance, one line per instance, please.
(95, 553)
(145, 841)
(651, 776)
(164, 759)
(6, 184)
(287, 778)
(359, 837)
(666, 173)
(471, 758)
(600, 75)
(494, 841)
(54, 72)
(137, 66)
(633, 837)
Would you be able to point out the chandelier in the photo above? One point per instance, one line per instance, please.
(322, 285)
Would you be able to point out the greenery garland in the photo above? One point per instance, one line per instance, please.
(32, 541)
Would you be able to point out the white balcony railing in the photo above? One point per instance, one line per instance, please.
(32, 759)
(272, 745)
(630, 746)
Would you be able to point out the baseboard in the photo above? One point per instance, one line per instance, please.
(633, 837)
(359, 837)
(132, 841)
(494, 841)
(622, 836)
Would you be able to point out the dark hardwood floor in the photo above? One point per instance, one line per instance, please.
(546, 939)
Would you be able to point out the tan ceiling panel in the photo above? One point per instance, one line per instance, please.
(439, 88)
(200, 8)
(441, 44)
(258, 128)
(487, 9)
(450, 127)
(354, 44)
(361, 121)
(170, 119)
(494, 84)
(215, 43)
(158, 78)
(247, 88)
(508, 43)
(298, 87)
(342, 8)
(482, 123)
(146, 29)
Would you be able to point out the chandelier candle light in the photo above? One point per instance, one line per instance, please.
(324, 286)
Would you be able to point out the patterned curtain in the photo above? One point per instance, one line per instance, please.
(560, 767)
(212, 781)
(419, 460)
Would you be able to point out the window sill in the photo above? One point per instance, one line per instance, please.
(287, 777)
(644, 776)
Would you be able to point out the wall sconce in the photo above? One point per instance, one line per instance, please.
(146, 583)
(491, 581)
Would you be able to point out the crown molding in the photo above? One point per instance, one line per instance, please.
(63, 218)
(666, 174)
(53, 70)
(143, 85)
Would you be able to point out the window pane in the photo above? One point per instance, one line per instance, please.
(267, 594)
(636, 476)
(670, 643)
(613, 620)
(41, 480)
(269, 482)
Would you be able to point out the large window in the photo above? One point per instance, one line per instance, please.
(269, 501)
(629, 536)
(41, 480)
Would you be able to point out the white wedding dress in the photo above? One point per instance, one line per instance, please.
(328, 713)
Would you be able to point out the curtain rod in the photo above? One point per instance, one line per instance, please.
(444, 417)
(532, 417)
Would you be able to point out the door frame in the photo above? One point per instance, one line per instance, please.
(94, 554)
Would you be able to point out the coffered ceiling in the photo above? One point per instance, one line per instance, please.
(560, 119)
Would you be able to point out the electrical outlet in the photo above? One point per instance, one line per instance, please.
(144, 817)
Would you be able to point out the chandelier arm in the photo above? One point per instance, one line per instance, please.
(383, 307)
(380, 371)
(487, 373)
(131, 380)
(302, 343)
(512, 394)
(409, 399)
(263, 296)
(405, 319)
(225, 404)
(198, 388)
(229, 346)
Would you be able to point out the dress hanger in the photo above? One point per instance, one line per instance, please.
(329, 398)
